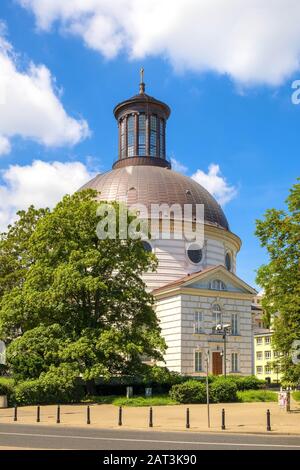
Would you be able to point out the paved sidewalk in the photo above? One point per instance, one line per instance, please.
(240, 417)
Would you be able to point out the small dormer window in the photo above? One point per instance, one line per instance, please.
(217, 284)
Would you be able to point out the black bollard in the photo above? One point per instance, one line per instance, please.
(150, 417)
(223, 419)
(88, 415)
(268, 420)
(38, 414)
(16, 413)
(58, 415)
(120, 416)
(187, 418)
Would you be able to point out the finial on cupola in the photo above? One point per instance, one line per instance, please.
(142, 84)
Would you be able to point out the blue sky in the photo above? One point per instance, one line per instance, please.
(250, 128)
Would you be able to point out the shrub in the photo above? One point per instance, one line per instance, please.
(58, 385)
(249, 382)
(191, 391)
(7, 388)
(223, 390)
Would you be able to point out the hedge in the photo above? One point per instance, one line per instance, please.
(223, 390)
(7, 388)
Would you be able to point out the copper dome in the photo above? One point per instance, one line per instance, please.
(147, 184)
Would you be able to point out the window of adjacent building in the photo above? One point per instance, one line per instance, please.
(268, 370)
(153, 136)
(217, 314)
(162, 138)
(123, 144)
(234, 362)
(268, 354)
(259, 370)
(142, 135)
(130, 136)
(228, 262)
(198, 361)
(198, 322)
(217, 284)
(234, 324)
(147, 246)
(194, 253)
(267, 340)
(258, 340)
(259, 355)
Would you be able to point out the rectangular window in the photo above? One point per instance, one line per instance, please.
(198, 320)
(142, 135)
(259, 355)
(259, 370)
(162, 138)
(123, 147)
(234, 324)
(267, 340)
(268, 354)
(234, 362)
(198, 361)
(130, 136)
(153, 136)
(258, 340)
(268, 370)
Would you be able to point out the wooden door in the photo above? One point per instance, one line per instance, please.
(217, 366)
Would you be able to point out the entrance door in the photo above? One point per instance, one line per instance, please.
(217, 361)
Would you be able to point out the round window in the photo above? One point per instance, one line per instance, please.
(194, 253)
(147, 246)
(228, 261)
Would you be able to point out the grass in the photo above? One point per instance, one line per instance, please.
(296, 395)
(158, 400)
(248, 396)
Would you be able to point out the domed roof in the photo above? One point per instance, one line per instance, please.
(147, 184)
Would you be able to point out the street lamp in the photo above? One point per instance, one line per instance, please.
(224, 329)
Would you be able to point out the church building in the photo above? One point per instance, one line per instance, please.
(204, 308)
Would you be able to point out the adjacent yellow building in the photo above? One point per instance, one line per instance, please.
(265, 358)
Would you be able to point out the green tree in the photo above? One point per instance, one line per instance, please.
(90, 288)
(279, 233)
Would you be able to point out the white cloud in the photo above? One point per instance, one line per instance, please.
(42, 184)
(30, 107)
(178, 166)
(216, 184)
(253, 41)
(4, 145)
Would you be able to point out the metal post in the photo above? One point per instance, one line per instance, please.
(187, 418)
(151, 417)
(207, 389)
(16, 413)
(120, 416)
(224, 353)
(223, 419)
(38, 414)
(58, 415)
(268, 420)
(88, 415)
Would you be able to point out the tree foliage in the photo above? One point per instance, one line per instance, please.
(279, 233)
(68, 297)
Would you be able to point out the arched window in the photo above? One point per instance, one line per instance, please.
(228, 262)
(142, 135)
(130, 136)
(153, 136)
(217, 284)
(217, 314)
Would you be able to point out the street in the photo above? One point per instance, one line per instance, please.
(21, 436)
